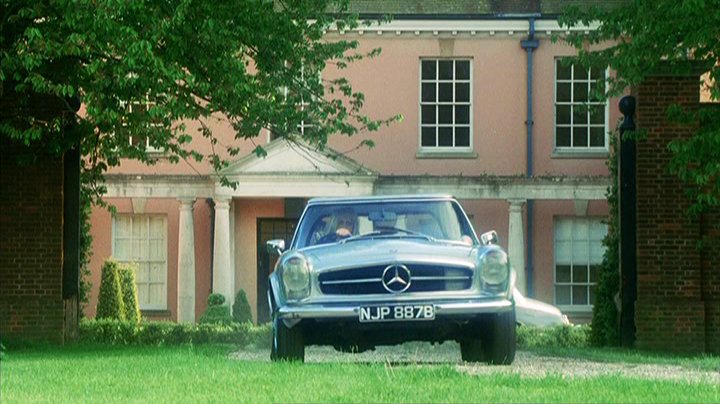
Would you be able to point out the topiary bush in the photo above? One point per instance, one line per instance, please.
(110, 300)
(129, 292)
(241, 308)
(217, 312)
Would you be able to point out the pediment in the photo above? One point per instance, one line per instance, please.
(294, 158)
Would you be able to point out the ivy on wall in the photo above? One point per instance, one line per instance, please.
(605, 322)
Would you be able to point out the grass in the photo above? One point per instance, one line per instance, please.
(206, 373)
(702, 363)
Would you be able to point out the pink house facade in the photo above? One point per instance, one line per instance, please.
(461, 83)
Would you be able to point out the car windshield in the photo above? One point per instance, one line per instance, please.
(345, 222)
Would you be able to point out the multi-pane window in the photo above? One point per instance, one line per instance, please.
(305, 124)
(142, 239)
(578, 256)
(141, 108)
(445, 104)
(580, 118)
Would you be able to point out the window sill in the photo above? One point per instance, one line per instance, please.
(575, 309)
(155, 313)
(579, 154)
(464, 154)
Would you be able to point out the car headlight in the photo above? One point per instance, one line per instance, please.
(494, 267)
(296, 277)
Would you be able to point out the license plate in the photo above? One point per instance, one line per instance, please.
(410, 312)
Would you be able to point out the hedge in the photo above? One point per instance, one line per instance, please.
(562, 336)
(116, 332)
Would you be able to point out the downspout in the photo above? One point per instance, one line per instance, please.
(529, 45)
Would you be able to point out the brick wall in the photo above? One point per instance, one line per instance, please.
(31, 214)
(677, 284)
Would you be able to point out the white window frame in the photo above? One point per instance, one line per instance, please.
(147, 104)
(606, 127)
(445, 149)
(146, 218)
(302, 126)
(589, 284)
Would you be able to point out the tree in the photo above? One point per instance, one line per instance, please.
(251, 62)
(639, 36)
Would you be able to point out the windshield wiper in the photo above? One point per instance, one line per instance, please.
(386, 231)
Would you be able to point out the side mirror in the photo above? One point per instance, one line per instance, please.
(489, 238)
(275, 246)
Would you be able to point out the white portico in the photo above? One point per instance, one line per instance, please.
(291, 170)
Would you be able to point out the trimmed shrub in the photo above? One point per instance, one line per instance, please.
(110, 300)
(562, 336)
(260, 336)
(115, 332)
(108, 331)
(215, 299)
(129, 292)
(241, 308)
(216, 312)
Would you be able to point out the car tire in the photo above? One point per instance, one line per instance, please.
(287, 343)
(471, 350)
(499, 341)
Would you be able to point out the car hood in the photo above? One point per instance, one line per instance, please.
(387, 250)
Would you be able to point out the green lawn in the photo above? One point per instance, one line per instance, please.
(207, 374)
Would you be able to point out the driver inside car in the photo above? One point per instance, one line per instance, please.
(344, 226)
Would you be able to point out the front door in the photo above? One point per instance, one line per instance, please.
(269, 229)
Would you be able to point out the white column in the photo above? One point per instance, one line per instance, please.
(516, 243)
(223, 275)
(186, 263)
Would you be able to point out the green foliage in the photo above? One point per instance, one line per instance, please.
(216, 312)
(678, 37)
(108, 331)
(110, 300)
(562, 336)
(215, 299)
(241, 308)
(129, 292)
(2, 351)
(260, 60)
(216, 315)
(116, 332)
(606, 324)
(85, 247)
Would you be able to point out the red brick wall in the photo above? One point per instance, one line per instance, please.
(31, 214)
(677, 299)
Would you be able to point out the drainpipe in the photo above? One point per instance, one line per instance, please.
(529, 45)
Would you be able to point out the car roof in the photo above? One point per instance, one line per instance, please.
(378, 198)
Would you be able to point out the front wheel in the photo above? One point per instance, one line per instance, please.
(287, 343)
(471, 350)
(499, 339)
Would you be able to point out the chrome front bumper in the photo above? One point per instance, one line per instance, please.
(443, 309)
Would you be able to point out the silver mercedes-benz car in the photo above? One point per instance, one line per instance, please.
(370, 271)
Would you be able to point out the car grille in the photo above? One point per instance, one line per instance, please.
(368, 280)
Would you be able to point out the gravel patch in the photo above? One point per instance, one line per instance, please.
(526, 365)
